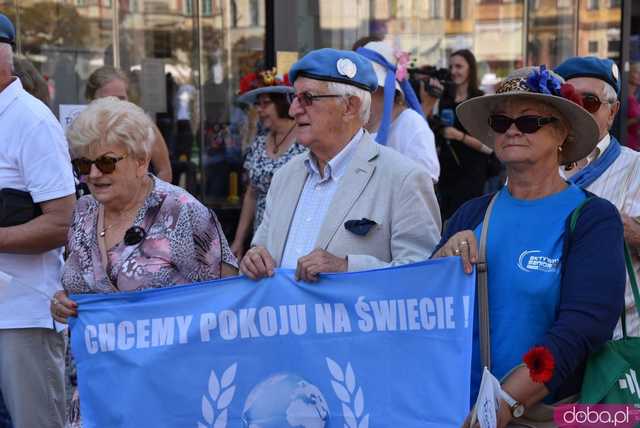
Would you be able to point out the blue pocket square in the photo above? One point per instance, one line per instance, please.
(359, 227)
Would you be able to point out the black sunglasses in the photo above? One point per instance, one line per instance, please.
(526, 124)
(105, 164)
(306, 99)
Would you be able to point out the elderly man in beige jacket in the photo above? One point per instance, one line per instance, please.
(349, 204)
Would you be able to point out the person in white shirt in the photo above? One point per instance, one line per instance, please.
(391, 123)
(610, 171)
(349, 204)
(34, 158)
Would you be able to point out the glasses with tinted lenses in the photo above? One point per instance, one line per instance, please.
(591, 103)
(306, 99)
(105, 164)
(526, 124)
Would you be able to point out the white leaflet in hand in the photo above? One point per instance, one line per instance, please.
(488, 401)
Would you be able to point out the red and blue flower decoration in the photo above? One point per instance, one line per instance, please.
(261, 79)
(543, 81)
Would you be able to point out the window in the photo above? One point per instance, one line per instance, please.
(455, 10)
(434, 6)
(615, 3)
(188, 7)
(255, 13)
(564, 4)
(613, 46)
(206, 7)
(593, 46)
(234, 14)
(593, 4)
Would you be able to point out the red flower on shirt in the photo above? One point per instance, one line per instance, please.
(540, 362)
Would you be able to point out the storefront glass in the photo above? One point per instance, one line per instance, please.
(185, 57)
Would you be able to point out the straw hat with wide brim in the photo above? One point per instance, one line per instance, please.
(251, 96)
(526, 83)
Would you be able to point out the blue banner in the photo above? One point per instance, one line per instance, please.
(384, 348)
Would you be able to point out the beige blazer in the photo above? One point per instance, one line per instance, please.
(380, 184)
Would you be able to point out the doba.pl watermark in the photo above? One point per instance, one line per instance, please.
(596, 415)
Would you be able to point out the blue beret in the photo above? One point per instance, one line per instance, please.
(332, 65)
(7, 30)
(590, 66)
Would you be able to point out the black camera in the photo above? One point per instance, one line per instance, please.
(424, 73)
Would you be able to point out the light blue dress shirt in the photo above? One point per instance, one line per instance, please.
(314, 202)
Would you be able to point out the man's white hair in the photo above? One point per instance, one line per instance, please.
(6, 56)
(609, 93)
(345, 90)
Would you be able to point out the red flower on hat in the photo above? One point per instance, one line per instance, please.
(261, 79)
(569, 92)
(540, 362)
(248, 82)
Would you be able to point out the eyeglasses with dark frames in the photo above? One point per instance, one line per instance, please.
(306, 98)
(526, 124)
(106, 164)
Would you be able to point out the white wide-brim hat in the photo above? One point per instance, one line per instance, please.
(251, 96)
(534, 83)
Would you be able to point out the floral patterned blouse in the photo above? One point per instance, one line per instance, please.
(261, 169)
(184, 243)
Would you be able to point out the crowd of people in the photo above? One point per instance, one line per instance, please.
(350, 171)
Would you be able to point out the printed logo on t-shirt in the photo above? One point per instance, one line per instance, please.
(530, 260)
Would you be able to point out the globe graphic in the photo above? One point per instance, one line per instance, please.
(285, 400)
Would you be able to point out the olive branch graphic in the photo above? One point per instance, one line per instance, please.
(344, 385)
(219, 397)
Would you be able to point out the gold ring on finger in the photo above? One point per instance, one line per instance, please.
(457, 251)
(464, 243)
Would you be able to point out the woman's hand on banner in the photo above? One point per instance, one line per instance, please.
(463, 244)
(62, 307)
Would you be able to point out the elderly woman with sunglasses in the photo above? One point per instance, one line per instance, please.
(134, 231)
(550, 284)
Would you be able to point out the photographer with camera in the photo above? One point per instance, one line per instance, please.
(396, 118)
(464, 160)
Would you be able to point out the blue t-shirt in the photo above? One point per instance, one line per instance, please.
(524, 251)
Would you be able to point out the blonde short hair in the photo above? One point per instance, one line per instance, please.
(110, 121)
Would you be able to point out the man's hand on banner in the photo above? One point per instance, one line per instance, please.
(319, 261)
(257, 263)
(461, 244)
(62, 307)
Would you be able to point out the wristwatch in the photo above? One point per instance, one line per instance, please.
(516, 407)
